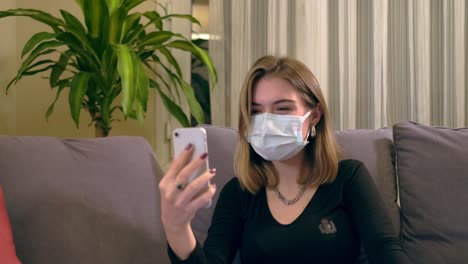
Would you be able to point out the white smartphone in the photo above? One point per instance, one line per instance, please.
(196, 136)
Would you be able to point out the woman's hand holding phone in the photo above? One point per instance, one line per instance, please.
(179, 205)
(182, 198)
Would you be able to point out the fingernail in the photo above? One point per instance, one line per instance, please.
(189, 146)
(213, 185)
(204, 155)
(213, 170)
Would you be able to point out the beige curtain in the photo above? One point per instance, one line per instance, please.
(378, 62)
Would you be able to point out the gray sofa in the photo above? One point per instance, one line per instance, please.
(96, 200)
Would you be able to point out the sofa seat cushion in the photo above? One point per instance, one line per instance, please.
(432, 164)
(7, 246)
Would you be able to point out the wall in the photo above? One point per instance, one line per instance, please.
(7, 67)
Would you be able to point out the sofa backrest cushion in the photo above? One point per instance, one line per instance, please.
(221, 147)
(82, 200)
(375, 149)
(433, 176)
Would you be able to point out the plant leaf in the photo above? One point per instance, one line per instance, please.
(87, 61)
(62, 84)
(140, 30)
(78, 87)
(130, 23)
(96, 15)
(59, 68)
(126, 70)
(175, 83)
(155, 18)
(198, 52)
(159, 78)
(115, 26)
(45, 47)
(130, 4)
(183, 16)
(72, 22)
(13, 81)
(35, 14)
(170, 58)
(113, 5)
(142, 87)
(172, 76)
(132, 34)
(156, 38)
(145, 55)
(194, 105)
(30, 71)
(171, 106)
(35, 39)
(192, 101)
(74, 26)
(42, 62)
(109, 71)
(135, 82)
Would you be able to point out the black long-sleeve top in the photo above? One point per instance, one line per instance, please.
(331, 228)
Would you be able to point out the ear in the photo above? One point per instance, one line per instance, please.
(316, 114)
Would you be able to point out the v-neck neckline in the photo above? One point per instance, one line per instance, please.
(314, 204)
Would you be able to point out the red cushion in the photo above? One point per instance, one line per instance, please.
(7, 247)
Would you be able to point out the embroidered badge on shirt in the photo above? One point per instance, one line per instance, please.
(327, 226)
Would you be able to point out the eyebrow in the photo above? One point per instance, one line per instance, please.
(278, 101)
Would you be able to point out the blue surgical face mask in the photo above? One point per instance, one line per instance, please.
(277, 137)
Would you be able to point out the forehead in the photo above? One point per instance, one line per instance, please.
(268, 90)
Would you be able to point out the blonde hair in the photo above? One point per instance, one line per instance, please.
(255, 172)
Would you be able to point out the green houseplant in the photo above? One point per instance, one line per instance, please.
(116, 53)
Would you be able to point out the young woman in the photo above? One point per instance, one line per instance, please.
(293, 201)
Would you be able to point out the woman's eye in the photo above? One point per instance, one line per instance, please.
(283, 109)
